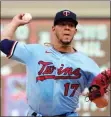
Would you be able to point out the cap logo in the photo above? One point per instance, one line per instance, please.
(66, 13)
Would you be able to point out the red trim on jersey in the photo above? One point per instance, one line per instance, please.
(12, 49)
(41, 78)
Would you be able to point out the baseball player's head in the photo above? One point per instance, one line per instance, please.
(64, 27)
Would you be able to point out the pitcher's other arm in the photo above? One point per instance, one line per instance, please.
(10, 29)
(7, 43)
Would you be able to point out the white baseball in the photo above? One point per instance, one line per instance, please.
(27, 17)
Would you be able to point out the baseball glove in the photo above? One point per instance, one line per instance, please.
(99, 87)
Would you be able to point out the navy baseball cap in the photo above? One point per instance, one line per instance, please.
(65, 15)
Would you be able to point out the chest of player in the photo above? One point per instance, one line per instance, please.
(53, 66)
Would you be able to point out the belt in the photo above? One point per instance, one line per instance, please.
(34, 114)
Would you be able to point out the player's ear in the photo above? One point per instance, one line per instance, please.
(53, 28)
(75, 31)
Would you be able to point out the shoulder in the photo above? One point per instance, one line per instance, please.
(86, 58)
(33, 48)
(30, 46)
(36, 48)
(89, 62)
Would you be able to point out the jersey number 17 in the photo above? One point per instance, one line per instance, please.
(69, 86)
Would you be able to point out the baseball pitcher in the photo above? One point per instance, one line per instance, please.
(56, 74)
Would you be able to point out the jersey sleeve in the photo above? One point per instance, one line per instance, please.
(21, 53)
(16, 50)
(93, 71)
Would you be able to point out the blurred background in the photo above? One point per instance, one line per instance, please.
(93, 38)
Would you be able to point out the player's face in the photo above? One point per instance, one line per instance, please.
(65, 31)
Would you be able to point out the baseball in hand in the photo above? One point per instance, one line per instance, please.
(27, 17)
